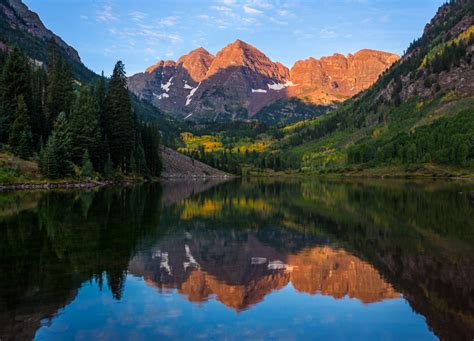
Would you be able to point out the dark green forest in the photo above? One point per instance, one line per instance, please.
(72, 128)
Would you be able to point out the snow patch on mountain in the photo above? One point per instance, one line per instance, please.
(163, 95)
(191, 260)
(191, 93)
(280, 86)
(166, 87)
(187, 86)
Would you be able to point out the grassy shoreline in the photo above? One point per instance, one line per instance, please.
(427, 171)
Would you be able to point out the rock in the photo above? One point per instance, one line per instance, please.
(337, 78)
(20, 17)
(177, 165)
(240, 80)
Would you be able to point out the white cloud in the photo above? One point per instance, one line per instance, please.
(251, 10)
(224, 10)
(167, 21)
(327, 34)
(278, 22)
(150, 51)
(285, 13)
(137, 16)
(303, 35)
(106, 14)
(203, 17)
(84, 17)
(260, 4)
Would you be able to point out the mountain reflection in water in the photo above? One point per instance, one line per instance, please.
(82, 264)
(240, 270)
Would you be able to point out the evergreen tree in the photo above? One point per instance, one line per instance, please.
(20, 139)
(100, 93)
(63, 142)
(85, 130)
(59, 90)
(37, 117)
(109, 167)
(140, 162)
(151, 147)
(133, 164)
(119, 118)
(49, 159)
(14, 82)
(87, 170)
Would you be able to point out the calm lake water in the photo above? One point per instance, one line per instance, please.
(247, 259)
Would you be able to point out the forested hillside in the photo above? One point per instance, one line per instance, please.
(420, 112)
(418, 117)
(69, 128)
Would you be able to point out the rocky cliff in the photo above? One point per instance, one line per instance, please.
(240, 80)
(337, 78)
(241, 271)
(21, 18)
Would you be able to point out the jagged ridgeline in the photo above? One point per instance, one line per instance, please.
(56, 111)
(420, 113)
(23, 28)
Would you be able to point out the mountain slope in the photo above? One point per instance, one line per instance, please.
(240, 80)
(419, 116)
(22, 27)
(337, 78)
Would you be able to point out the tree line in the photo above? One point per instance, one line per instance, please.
(448, 141)
(71, 128)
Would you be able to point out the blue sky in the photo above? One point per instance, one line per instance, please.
(141, 32)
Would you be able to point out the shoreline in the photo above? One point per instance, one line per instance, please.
(19, 186)
(96, 184)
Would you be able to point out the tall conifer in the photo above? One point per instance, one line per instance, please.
(20, 139)
(119, 118)
(15, 82)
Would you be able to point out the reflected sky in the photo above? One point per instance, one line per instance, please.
(283, 314)
(260, 259)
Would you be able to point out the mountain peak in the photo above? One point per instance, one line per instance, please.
(240, 43)
(241, 54)
(196, 63)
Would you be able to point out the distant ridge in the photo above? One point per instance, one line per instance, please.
(240, 80)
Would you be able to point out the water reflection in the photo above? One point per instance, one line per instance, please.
(245, 245)
(240, 269)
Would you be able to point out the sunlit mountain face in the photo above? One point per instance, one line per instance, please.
(260, 258)
(239, 269)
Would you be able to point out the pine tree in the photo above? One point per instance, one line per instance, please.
(87, 170)
(85, 130)
(151, 139)
(133, 164)
(109, 168)
(119, 118)
(20, 139)
(49, 159)
(141, 162)
(100, 93)
(59, 90)
(37, 117)
(14, 82)
(63, 141)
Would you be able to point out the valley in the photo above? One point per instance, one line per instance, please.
(370, 113)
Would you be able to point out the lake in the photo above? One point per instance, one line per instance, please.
(245, 259)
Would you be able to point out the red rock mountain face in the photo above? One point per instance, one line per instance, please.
(241, 274)
(240, 80)
(337, 78)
